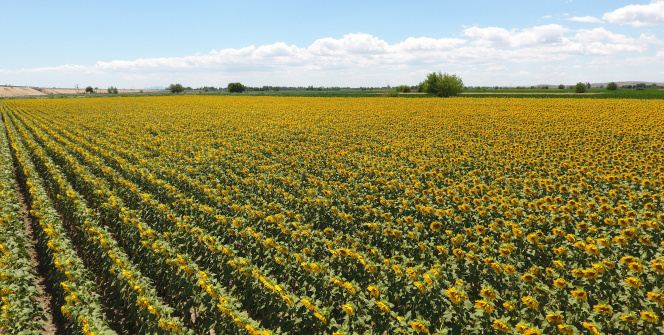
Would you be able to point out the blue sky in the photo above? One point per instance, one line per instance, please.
(139, 44)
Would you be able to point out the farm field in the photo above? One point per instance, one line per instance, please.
(304, 215)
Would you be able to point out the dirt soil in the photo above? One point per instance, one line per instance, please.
(8, 91)
(18, 91)
(45, 298)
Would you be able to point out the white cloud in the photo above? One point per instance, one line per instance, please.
(497, 68)
(363, 60)
(352, 43)
(500, 37)
(586, 19)
(601, 34)
(62, 68)
(413, 44)
(638, 15)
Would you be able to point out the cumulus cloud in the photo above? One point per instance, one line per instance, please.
(67, 68)
(638, 15)
(352, 43)
(603, 42)
(500, 37)
(585, 19)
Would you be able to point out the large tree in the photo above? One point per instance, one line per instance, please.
(442, 84)
(176, 88)
(580, 88)
(236, 88)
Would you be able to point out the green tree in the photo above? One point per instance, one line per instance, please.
(236, 88)
(89, 89)
(176, 88)
(403, 88)
(443, 85)
(112, 90)
(580, 88)
(611, 86)
(561, 87)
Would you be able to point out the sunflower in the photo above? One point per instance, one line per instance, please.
(508, 306)
(532, 331)
(373, 290)
(488, 293)
(629, 318)
(635, 267)
(580, 294)
(383, 307)
(501, 326)
(629, 233)
(566, 330)
(658, 267)
(554, 318)
(419, 327)
(656, 297)
(590, 273)
(633, 282)
(287, 300)
(529, 278)
(532, 238)
(649, 316)
(560, 250)
(428, 279)
(591, 327)
(411, 272)
(592, 249)
(348, 309)
(610, 265)
(321, 317)
(577, 273)
(454, 295)
(645, 240)
(599, 268)
(306, 303)
(504, 252)
(484, 305)
(436, 226)
(530, 302)
(604, 309)
(521, 328)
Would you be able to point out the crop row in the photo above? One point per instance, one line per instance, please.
(19, 307)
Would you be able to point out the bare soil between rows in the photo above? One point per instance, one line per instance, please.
(45, 299)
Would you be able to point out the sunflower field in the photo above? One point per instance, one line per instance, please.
(271, 215)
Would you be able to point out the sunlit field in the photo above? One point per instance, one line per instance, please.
(185, 214)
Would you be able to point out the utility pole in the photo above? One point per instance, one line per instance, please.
(76, 86)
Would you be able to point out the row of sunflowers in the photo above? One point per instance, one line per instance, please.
(19, 308)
